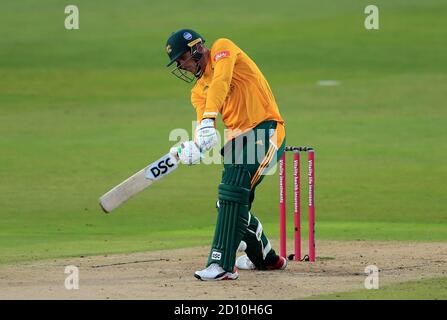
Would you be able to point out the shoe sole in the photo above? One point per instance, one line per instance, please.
(219, 277)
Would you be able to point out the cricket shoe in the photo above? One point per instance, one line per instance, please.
(214, 272)
(244, 263)
(280, 264)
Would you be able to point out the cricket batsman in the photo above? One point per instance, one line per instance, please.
(228, 82)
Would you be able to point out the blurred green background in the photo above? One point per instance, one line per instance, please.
(82, 110)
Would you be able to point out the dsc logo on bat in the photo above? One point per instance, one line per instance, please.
(160, 168)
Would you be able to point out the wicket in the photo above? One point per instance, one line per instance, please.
(297, 202)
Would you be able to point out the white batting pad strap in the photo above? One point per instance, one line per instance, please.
(249, 230)
(249, 218)
(259, 231)
(267, 249)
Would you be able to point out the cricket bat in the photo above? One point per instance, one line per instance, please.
(138, 182)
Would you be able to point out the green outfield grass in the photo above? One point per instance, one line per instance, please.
(105, 238)
(82, 110)
(427, 289)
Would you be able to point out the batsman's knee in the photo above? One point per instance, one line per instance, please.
(235, 185)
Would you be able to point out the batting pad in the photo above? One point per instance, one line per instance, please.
(232, 217)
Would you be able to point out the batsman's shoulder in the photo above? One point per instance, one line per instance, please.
(223, 44)
(224, 48)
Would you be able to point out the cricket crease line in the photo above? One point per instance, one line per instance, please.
(131, 262)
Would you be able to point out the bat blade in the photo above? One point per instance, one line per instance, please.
(137, 182)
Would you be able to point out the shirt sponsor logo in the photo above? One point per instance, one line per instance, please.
(221, 54)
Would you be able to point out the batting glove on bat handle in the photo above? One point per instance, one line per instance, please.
(188, 153)
(174, 151)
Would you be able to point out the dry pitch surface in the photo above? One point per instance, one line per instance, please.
(169, 274)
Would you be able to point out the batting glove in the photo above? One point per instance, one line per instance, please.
(188, 153)
(206, 135)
